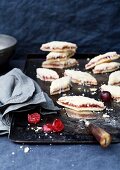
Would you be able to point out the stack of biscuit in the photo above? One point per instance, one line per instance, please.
(104, 63)
(60, 54)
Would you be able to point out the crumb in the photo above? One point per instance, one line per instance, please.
(26, 149)
(93, 89)
(38, 129)
(21, 147)
(63, 95)
(46, 134)
(88, 59)
(73, 165)
(93, 93)
(105, 116)
(13, 153)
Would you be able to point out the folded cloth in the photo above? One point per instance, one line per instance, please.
(17, 91)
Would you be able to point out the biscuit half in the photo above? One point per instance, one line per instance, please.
(46, 74)
(114, 78)
(60, 64)
(58, 46)
(80, 103)
(106, 67)
(102, 58)
(60, 85)
(80, 77)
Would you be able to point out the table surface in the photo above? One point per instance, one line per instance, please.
(65, 157)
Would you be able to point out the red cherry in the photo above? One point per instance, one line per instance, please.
(57, 125)
(47, 127)
(34, 118)
(105, 96)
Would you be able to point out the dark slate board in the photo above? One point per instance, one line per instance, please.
(74, 132)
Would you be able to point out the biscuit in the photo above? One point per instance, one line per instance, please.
(80, 103)
(80, 77)
(114, 78)
(60, 85)
(59, 55)
(60, 64)
(114, 90)
(106, 67)
(102, 58)
(59, 46)
(46, 74)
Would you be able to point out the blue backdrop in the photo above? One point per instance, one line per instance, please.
(93, 25)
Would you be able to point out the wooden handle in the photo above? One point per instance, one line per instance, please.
(103, 137)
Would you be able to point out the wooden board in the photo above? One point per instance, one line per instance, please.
(74, 132)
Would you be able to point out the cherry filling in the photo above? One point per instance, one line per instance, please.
(82, 82)
(116, 83)
(106, 68)
(53, 64)
(57, 57)
(82, 105)
(45, 77)
(61, 90)
(46, 47)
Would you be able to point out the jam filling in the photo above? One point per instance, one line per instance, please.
(65, 47)
(61, 90)
(45, 77)
(46, 47)
(107, 68)
(82, 105)
(56, 57)
(116, 83)
(82, 82)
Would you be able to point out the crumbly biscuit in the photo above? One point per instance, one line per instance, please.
(106, 67)
(59, 55)
(60, 64)
(114, 78)
(59, 46)
(60, 85)
(114, 90)
(46, 74)
(102, 58)
(80, 77)
(80, 103)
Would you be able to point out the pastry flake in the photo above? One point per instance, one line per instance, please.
(46, 74)
(80, 103)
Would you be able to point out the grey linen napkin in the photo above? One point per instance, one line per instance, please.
(16, 91)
